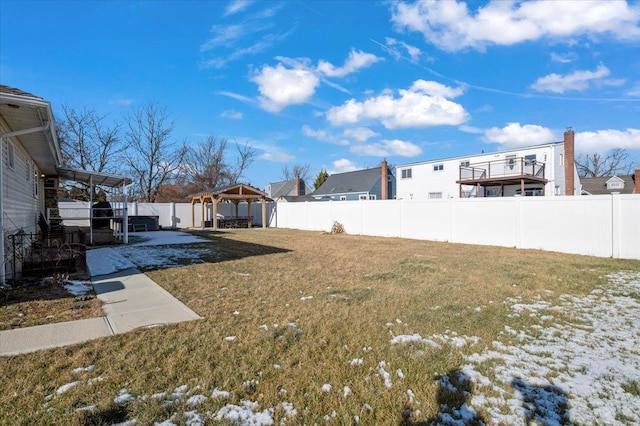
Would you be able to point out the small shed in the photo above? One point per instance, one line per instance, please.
(234, 193)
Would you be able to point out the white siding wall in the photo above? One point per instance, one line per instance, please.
(21, 206)
(425, 180)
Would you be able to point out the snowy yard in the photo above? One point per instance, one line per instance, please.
(291, 345)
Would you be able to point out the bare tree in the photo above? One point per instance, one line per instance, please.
(209, 166)
(245, 157)
(615, 162)
(87, 143)
(300, 170)
(153, 158)
(205, 166)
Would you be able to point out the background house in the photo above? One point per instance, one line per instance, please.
(622, 184)
(547, 169)
(289, 188)
(368, 184)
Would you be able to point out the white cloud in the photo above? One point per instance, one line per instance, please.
(564, 58)
(577, 80)
(356, 61)
(635, 90)
(434, 88)
(387, 148)
(236, 6)
(423, 105)
(280, 86)
(236, 96)
(323, 136)
(341, 166)
(359, 134)
(414, 52)
(515, 135)
(604, 140)
(470, 129)
(451, 26)
(231, 113)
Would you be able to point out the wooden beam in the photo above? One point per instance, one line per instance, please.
(202, 210)
(264, 212)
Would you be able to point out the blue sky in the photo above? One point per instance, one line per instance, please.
(341, 85)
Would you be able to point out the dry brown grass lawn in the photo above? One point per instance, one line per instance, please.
(302, 306)
(37, 302)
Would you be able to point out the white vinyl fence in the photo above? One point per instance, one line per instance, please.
(602, 225)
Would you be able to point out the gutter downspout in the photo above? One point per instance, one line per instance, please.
(2, 138)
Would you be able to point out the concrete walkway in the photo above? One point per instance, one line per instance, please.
(130, 300)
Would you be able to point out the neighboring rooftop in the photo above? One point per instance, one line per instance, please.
(350, 182)
(623, 184)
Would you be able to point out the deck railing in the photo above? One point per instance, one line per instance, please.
(516, 166)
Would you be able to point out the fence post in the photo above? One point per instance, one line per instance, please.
(615, 225)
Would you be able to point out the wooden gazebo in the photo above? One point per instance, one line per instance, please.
(234, 193)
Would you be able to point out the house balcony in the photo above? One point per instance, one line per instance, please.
(501, 173)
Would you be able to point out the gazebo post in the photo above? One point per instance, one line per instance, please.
(214, 219)
(193, 214)
(263, 201)
(249, 210)
(202, 210)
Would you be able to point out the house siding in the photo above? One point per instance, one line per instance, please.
(425, 180)
(21, 207)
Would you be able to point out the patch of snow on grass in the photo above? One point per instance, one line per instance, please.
(64, 388)
(196, 400)
(123, 397)
(220, 394)
(385, 375)
(245, 414)
(326, 388)
(78, 288)
(104, 261)
(568, 372)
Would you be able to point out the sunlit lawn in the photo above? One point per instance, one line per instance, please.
(286, 312)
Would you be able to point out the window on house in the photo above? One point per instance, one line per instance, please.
(615, 184)
(465, 163)
(10, 159)
(529, 159)
(372, 196)
(435, 195)
(438, 167)
(363, 196)
(406, 174)
(343, 198)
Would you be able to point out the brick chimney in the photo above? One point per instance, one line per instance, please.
(298, 185)
(636, 180)
(569, 162)
(384, 183)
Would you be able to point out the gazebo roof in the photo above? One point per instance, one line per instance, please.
(237, 192)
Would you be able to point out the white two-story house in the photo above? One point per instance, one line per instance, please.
(540, 170)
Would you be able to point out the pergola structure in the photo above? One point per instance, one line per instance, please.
(234, 193)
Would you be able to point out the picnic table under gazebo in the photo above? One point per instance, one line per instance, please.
(236, 194)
